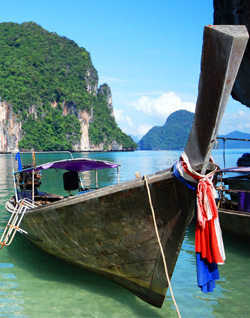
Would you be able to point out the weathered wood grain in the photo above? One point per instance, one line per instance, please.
(110, 231)
(235, 223)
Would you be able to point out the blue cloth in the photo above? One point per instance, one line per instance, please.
(18, 158)
(207, 273)
(179, 177)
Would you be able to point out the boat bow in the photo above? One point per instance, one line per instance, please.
(222, 52)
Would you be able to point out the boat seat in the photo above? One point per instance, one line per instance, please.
(71, 180)
(24, 195)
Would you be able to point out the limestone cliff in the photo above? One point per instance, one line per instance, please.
(50, 99)
(84, 117)
(10, 128)
(105, 90)
(237, 12)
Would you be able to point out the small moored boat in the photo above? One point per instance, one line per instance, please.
(234, 202)
(233, 185)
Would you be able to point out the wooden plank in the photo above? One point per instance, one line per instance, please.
(222, 52)
(236, 224)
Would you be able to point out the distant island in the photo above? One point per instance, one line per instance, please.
(173, 135)
(234, 144)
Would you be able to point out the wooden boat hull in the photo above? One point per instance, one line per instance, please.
(110, 232)
(235, 223)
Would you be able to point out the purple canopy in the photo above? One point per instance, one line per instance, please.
(78, 164)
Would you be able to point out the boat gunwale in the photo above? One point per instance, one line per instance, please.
(234, 212)
(123, 186)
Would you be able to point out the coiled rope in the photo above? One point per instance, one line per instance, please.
(161, 249)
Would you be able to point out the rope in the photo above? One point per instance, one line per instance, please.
(3, 244)
(161, 249)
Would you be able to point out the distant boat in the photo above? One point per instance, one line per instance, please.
(244, 160)
(234, 196)
(234, 201)
(110, 231)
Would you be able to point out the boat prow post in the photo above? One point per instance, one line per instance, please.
(222, 52)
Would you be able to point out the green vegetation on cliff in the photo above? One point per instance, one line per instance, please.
(53, 132)
(104, 127)
(40, 69)
(172, 135)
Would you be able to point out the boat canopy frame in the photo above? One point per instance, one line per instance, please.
(72, 164)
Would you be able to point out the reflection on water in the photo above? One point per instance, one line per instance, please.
(6, 176)
(33, 284)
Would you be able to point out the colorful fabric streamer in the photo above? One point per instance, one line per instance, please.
(209, 245)
(18, 158)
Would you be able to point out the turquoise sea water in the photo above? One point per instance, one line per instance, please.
(33, 284)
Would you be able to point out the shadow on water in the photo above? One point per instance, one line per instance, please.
(46, 268)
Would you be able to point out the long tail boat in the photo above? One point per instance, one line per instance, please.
(110, 231)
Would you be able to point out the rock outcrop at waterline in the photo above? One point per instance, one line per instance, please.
(237, 12)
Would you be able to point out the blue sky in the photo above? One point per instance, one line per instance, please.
(147, 51)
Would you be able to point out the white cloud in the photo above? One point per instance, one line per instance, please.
(121, 118)
(118, 114)
(129, 121)
(143, 129)
(240, 113)
(239, 120)
(161, 106)
(127, 125)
